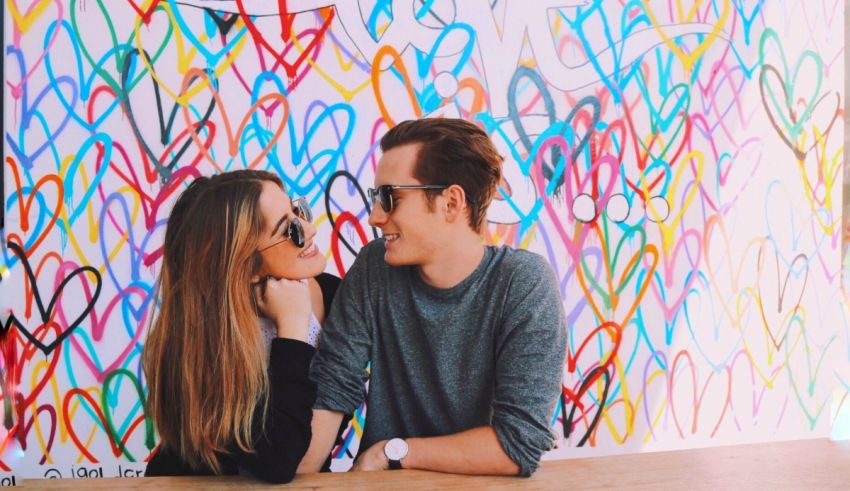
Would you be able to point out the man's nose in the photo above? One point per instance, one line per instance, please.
(377, 217)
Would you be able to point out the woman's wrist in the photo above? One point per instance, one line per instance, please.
(286, 328)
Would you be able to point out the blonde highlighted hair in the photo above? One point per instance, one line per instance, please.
(204, 357)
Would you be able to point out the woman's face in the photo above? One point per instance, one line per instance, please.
(282, 258)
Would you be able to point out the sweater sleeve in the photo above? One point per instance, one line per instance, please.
(280, 446)
(529, 363)
(339, 367)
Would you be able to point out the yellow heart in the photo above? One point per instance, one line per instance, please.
(828, 173)
(347, 94)
(629, 407)
(94, 236)
(668, 231)
(689, 60)
(25, 22)
(36, 423)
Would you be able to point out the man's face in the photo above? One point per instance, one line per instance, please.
(412, 232)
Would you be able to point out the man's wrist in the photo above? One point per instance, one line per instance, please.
(395, 451)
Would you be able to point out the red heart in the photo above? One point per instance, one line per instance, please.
(286, 21)
(66, 415)
(594, 372)
(145, 15)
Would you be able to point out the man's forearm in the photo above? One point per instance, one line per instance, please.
(325, 427)
(475, 451)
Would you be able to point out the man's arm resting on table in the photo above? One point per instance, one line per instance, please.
(325, 427)
(475, 451)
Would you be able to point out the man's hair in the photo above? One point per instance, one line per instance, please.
(452, 151)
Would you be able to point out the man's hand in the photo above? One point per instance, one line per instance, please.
(372, 459)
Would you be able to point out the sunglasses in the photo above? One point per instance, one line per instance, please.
(295, 230)
(384, 194)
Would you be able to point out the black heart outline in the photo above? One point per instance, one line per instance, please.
(353, 182)
(549, 103)
(164, 171)
(567, 421)
(45, 314)
(224, 25)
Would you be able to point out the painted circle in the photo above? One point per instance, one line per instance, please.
(661, 207)
(584, 208)
(446, 84)
(618, 208)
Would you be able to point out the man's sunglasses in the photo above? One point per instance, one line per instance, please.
(384, 194)
(295, 230)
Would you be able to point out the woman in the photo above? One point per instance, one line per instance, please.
(227, 391)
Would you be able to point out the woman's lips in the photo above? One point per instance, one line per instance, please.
(309, 252)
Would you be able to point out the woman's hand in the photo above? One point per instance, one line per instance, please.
(287, 304)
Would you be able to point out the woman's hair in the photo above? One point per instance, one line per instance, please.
(203, 358)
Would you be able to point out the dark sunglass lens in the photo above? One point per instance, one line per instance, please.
(296, 233)
(386, 195)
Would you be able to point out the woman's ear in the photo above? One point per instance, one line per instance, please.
(257, 268)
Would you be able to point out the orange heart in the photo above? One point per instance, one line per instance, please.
(25, 205)
(233, 138)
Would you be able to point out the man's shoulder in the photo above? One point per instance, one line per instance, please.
(370, 257)
(522, 271)
(373, 250)
(521, 261)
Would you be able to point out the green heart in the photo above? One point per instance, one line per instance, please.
(119, 54)
(812, 375)
(113, 432)
(676, 102)
(603, 292)
(793, 125)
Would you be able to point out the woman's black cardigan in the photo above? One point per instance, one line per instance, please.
(278, 450)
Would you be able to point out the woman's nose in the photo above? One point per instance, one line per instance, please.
(309, 228)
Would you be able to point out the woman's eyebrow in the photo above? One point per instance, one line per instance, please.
(279, 223)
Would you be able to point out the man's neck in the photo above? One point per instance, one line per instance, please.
(455, 262)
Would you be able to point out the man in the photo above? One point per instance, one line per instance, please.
(464, 342)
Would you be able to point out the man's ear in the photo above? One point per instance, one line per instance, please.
(455, 203)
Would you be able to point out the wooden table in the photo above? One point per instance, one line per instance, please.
(802, 464)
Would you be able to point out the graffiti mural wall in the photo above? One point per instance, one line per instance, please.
(678, 164)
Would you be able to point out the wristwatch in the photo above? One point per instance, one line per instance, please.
(395, 450)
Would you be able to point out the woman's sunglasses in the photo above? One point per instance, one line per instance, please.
(384, 194)
(295, 230)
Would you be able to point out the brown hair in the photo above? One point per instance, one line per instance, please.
(452, 151)
(203, 361)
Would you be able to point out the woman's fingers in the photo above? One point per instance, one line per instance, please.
(260, 291)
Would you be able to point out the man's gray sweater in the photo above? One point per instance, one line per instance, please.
(488, 351)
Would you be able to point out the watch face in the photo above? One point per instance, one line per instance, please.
(396, 449)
